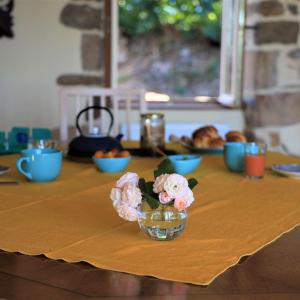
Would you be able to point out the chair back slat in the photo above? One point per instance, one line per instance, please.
(84, 96)
(127, 103)
(90, 114)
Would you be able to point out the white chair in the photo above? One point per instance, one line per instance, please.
(81, 97)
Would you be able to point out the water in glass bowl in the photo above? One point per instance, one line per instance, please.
(162, 224)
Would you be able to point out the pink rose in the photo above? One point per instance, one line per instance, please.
(126, 212)
(129, 177)
(183, 202)
(159, 182)
(176, 185)
(164, 197)
(131, 194)
(180, 204)
(115, 195)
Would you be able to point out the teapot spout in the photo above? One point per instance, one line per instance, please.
(119, 137)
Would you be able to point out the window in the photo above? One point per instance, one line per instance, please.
(221, 71)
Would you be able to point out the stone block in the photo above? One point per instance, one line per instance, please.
(260, 69)
(91, 52)
(81, 16)
(266, 8)
(289, 66)
(282, 32)
(274, 110)
(78, 79)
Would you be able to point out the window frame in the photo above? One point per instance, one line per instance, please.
(231, 62)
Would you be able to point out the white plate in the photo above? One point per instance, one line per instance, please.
(290, 170)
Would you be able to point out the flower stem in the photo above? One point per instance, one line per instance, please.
(163, 210)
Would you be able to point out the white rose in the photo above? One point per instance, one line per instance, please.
(115, 195)
(129, 177)
(131, 195)
(175, 185)
(126, 212)
(189, 196)
(159, 182)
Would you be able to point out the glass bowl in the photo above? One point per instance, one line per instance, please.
(162, 224)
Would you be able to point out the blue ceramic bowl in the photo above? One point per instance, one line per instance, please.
(185, 163)
(112, 165)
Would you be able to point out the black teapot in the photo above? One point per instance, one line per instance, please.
(87, 145)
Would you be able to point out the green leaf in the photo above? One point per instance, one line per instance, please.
(153, 203)
(192, 183)
(142, 185)
(165, 167)
(149, 189)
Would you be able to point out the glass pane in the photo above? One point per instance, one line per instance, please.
(170, 47)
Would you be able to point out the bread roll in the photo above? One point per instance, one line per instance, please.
(235, 136)
(202, 142)
(216, 143)
(209, 131)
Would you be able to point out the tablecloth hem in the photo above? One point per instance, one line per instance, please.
(94, 264)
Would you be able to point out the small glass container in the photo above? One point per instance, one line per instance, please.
(163, 223)
(255, 160)
(152, 131)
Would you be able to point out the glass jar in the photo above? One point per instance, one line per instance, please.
(163, 223)
(152, 131)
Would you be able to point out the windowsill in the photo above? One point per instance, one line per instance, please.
(186, 105)
(183, 104)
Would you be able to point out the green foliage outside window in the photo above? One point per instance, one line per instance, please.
(187, 16)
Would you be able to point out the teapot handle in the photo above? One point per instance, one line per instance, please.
(95, 107)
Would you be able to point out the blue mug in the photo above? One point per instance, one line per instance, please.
(234, 156)
(40, 165)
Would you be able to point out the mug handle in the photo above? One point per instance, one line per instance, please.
(19, 166)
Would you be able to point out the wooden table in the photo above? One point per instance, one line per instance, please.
(271, 273)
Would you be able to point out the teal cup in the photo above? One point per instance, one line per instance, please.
(234, 156)
(40, 165)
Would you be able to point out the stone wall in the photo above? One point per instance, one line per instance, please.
(272, 68)
(86, 16)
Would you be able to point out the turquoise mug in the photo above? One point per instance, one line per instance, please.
(234, 156)
(40, 165)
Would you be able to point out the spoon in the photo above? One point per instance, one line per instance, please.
(4, 169)
(9, 182)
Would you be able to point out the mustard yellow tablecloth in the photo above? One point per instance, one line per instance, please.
(73, 219)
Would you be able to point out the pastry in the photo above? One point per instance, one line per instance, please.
(216, 143)
(207, 137)
(235, 136)
(209, 131)
(202, 142)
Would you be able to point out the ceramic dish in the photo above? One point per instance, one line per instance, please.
(289, 170)
(112, 165)
(185, 163)
(205, 150)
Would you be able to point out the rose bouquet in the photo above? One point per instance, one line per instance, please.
(168, 189)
